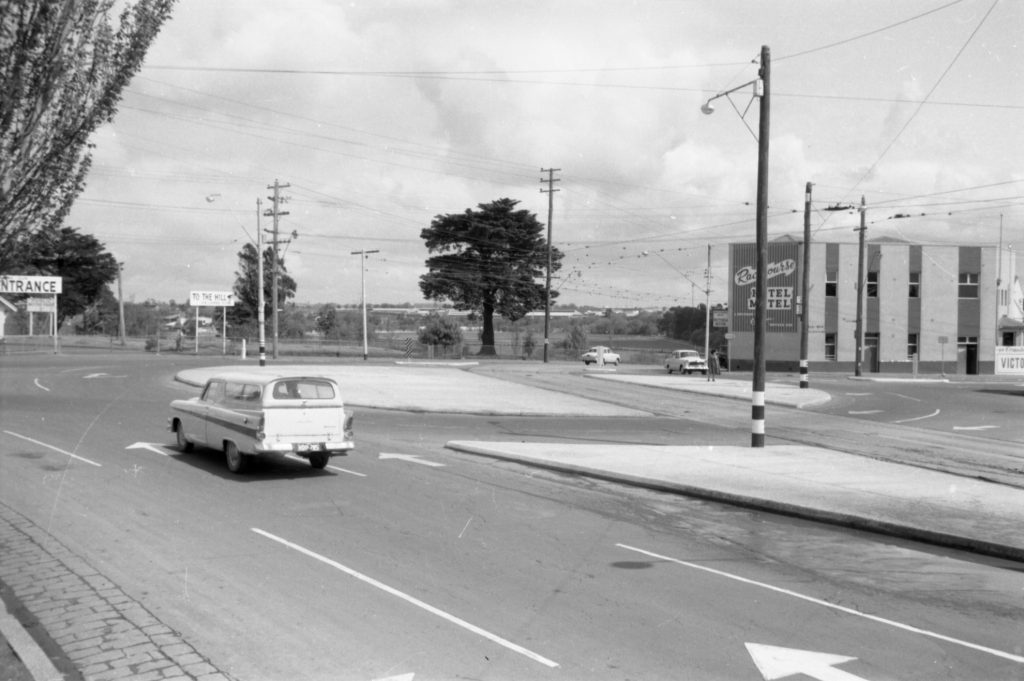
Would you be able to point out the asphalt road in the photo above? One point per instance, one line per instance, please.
(406, 558)
(988, 407)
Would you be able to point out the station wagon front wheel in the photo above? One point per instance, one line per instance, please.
(179, 434)
(236, 462)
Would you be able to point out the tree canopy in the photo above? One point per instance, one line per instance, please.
(488, 260)
(63, 68)
(80, 259)
(246, 308)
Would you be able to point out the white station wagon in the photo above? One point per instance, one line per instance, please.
(246, 414)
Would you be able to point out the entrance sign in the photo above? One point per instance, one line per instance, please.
(42, 295)
(211, 298)
(17, 283)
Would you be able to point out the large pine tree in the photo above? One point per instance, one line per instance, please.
(488, 260)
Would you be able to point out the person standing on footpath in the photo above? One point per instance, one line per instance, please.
(714, 368)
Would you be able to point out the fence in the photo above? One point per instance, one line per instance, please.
(392, 347)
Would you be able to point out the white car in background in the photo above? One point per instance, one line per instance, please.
(686, 362)
(591, 355)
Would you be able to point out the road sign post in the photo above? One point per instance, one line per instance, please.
(42, 292)
(222, 299)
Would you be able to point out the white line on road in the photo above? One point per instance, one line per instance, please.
(907, 397)
(333, 468)
(817, 601)
(865, 412)
(409, 599)
(974, 427)
(920, 418)
(412, 458)
(56, 449)
(40, 385)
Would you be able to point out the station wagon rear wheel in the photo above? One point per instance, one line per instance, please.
(179, 434)
(236, 462)
(318, 461)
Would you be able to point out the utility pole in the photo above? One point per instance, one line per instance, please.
(804, 288)
(120, 305)
(757, 411)
(261, 312)
(550, 191)
(707, 314)
(859, 332)
(276, 213)
(362, 286)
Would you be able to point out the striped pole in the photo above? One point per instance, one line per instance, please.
(761, 279)
(757, 419)
(803, 374)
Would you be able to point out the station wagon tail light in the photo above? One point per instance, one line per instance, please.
(260, 432)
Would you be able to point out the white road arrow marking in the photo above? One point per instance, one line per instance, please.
(974, 427)
(150, 446)
(40, 385)
(413, 458)
(778, 663)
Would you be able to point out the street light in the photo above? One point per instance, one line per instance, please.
(761, 89)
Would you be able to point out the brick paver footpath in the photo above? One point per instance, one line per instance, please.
(104, 632)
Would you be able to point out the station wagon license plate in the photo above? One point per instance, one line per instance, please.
(310, 447)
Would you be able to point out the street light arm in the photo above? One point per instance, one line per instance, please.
(726, 93)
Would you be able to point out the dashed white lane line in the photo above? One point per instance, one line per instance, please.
(333, 468)
(920, 418)
(409, 599)
(865, 412)
(817, 601)
(56, 449)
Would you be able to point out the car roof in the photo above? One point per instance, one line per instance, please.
(264, 378)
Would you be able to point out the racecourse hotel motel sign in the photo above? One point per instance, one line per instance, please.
(17, 283)
(780, 289)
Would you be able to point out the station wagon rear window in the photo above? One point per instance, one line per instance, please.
(303, 389)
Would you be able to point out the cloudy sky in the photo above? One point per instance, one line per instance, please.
(381, 114)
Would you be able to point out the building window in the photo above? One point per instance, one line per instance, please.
(911, 345)
(872, 284)
(830, 346)
(968, 285)
(915, 285)
(967, 340)
(831, 284)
